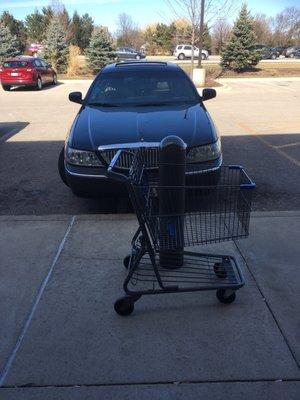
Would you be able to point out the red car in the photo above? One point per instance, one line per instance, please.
(26, 71)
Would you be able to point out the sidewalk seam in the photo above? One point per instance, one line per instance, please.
(35, 304)
(268, 305)
(153, 383)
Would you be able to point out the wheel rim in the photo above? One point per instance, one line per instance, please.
(39, 83)
(55, 79)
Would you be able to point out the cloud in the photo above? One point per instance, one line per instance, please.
(10, 5)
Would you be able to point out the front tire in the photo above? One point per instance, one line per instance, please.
(226, 296)
(54, 82)
(6, 87)
(39, 84)
(203, 56)
(292, 55)
(61, 166)
(181, 56)
(124, 306)
(273, 56)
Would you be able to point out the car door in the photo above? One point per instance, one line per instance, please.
(40, 70)
(121, 53)
(48, 70)
(188, 51)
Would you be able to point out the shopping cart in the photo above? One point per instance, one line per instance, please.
(217, 208)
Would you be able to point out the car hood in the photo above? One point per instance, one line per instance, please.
(98, 126)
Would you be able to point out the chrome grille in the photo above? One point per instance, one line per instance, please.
(125, 161)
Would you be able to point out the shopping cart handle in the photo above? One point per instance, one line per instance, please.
(110, 170)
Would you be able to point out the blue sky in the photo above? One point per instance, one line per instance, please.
(105, 12)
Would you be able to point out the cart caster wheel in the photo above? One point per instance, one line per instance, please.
(124, 306)
(220, 271)
(226, 296)
(126, 262)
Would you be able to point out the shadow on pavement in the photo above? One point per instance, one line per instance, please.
(46, 86)
(9, 129)
(30, 183)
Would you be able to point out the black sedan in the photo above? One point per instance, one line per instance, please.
(128, 53)
(130, 103)
(267, 52)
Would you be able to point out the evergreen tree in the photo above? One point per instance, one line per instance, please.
(9, 45)
(82, 28)
(76, 27)
(164, 37)
(55, 46)
(100, 51)
(36, 27)
(206, 39)
(16, 28)
(240, 53)
(87, 27)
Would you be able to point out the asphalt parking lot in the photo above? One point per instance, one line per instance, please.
(259, 122)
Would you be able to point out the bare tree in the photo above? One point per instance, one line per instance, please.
(263, 32)
(221, 33)
(286, 27)
(188, 10)
(128, 33)
(199, 13)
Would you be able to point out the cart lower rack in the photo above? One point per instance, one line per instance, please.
(217, 208)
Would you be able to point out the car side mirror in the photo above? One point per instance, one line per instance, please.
(76, 97)
(208, 94)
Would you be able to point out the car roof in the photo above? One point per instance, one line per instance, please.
(22, 58)
(140, 65)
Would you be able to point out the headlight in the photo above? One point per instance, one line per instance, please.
(83, 158)
(204, 153)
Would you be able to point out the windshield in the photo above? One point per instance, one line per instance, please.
(142, 88)
(15, 64)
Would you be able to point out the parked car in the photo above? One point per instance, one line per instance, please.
(267, 52)
(183, 51)
(291, 51)
(280, 49)
(127, 53)
(297, 54)
(26, 71)
(34, 48)
(130, 103)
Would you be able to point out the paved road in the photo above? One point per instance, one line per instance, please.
(259, 122)
(217, 59)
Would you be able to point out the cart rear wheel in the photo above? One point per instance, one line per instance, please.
(226, 296)
(124, 306)
(220, 271)
(126, 261)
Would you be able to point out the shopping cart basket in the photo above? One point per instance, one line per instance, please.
(217, 208)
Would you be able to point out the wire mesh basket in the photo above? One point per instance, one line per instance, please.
(217, 205)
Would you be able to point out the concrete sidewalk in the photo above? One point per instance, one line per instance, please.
(60, 338)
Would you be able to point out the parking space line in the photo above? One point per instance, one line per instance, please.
(8, 135)
(282, 146)
(276, 149)
(35, 304)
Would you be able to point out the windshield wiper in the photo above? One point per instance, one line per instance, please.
(104, 104)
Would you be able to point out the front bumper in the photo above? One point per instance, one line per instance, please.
(94, 180)
(18, 82)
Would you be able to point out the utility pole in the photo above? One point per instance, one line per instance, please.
(201, 33)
